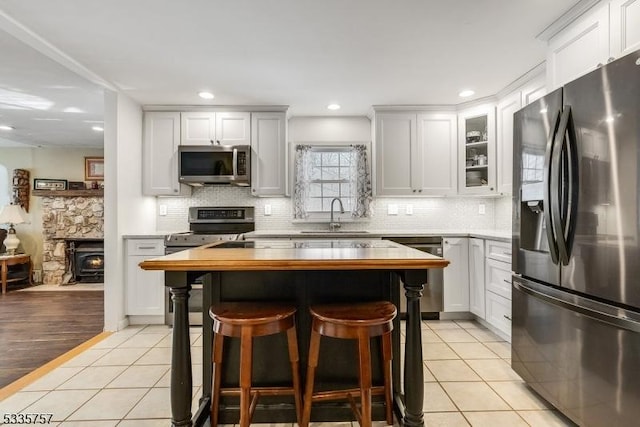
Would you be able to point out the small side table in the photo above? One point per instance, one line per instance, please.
(8, 260)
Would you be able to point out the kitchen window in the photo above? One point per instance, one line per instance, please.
(326, 172)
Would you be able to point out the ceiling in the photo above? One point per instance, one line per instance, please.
(301, 53)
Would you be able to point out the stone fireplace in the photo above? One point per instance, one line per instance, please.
(65, 222)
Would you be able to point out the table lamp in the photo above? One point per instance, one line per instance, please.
(12, 214)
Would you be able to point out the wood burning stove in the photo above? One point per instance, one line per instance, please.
(86, 260)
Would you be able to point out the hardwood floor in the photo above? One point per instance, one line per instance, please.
(37, 327)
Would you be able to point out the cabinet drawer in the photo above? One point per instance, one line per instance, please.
(500, 251)
(498, 278)
(499, 312)
(153, 247)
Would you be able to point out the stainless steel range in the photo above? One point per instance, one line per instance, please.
(206, 225)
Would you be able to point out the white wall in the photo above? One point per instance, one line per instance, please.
(127, 211)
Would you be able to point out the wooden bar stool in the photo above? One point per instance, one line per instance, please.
(352, 321)
(248, 320)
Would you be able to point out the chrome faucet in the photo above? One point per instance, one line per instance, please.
(333, 226)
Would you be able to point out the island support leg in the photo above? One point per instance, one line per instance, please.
(181, 382)
(413, 365)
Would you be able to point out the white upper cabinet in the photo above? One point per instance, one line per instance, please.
(533, 90)
(268, 157)
(159, 155)
(504, 111)
(477, 142)
(198, 128)
(396, 143)
(625, 26)
(437, 154)
(233, 128)
(415, 154)
(606, 32)
(579, 48)
(205, 128)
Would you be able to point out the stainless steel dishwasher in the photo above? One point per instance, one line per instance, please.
(431, 303)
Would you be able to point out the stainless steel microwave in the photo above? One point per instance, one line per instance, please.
(214, 164)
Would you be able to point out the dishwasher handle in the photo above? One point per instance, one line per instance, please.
(434, 249)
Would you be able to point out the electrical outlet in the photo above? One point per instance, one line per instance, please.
(481, 209)
(392, 209)
(267, 210)
(409, 209)
(163, 210)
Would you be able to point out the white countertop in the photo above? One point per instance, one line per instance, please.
(159, 235)
(483, 234)
(351, 234)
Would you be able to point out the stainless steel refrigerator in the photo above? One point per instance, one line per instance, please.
(576, 246)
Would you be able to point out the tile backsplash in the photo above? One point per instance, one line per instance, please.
(444, 213)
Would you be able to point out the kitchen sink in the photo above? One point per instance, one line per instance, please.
(334, 232)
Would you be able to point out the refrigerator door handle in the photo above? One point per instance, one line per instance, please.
(573, 183)
(548, 193)
(563, 203)
(611, 315)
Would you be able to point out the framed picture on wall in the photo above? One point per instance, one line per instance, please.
(94, 168)
(49, 184)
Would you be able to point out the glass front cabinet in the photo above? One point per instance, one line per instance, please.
(477, 148)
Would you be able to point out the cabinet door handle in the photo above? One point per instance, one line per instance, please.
(507, 253)
(146, 247)
(507, 317)
(506, 281)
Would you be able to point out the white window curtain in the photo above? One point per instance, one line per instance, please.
(360, 181)
(302, 169)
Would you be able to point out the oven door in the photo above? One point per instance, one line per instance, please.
(195, 296)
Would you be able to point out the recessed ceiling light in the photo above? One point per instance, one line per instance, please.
(466, 93)
(205, 95)
(97, 128)
(544, 110)
(5, 127)
(72, 110)
(333, 106)
(609, 119)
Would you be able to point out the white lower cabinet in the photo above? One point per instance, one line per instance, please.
(498, 285)
(476, 277)
(144, 289)
(456, 275)
(499, 312)
(498, 278)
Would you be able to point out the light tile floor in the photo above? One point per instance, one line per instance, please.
(124, 381)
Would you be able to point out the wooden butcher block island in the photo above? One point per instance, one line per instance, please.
(304, 273)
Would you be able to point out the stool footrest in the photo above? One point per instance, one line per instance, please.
(263, 391)
(320, 396)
